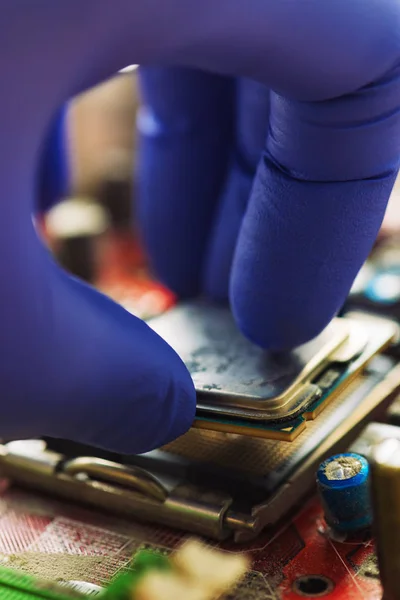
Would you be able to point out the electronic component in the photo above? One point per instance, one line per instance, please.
(74, 229)
(88, 589)
(380, 444)
(373, 435)
(206, 482)
(376, 289)
(243, 389)
(193, 572)
(116, 196)
(343, 485)
(385, 466)
(213, 570)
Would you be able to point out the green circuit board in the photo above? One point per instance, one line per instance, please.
(18, 586)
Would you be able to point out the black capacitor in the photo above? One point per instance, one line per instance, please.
(115, 191)
(75, 228)
(116, 196)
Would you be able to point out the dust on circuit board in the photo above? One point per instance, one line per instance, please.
(61, 542)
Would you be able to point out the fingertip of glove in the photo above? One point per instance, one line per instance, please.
(130, 391)
(169, 417)
(168, 412)
(267, 327)
(180, 404)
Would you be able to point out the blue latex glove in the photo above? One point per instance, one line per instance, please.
(54, 167)
(76, 365)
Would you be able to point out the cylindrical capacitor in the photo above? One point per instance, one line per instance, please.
(115, 196)
(75, 228)
(385, 483)
(393, 414)
(343, 485)
(115, 192)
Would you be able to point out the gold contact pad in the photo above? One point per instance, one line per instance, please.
(258, 457)
(290, 433)
(249, 454)
(287, 434)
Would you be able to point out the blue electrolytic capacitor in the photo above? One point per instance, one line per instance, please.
(343, 484)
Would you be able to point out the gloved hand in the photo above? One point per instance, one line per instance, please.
(326, 142)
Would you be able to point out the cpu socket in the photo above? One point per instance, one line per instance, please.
(264, 422)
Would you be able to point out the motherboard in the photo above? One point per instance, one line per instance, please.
(297, 559)
(299, 553)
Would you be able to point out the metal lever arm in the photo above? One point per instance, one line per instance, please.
(114, 473)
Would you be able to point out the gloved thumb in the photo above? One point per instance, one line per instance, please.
(55, 167)
(76, 365)
(73, 364)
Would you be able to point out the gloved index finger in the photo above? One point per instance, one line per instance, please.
(185, 136)
(317, 204)
(54, 177)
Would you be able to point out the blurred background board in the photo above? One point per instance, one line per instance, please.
(102, 131)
